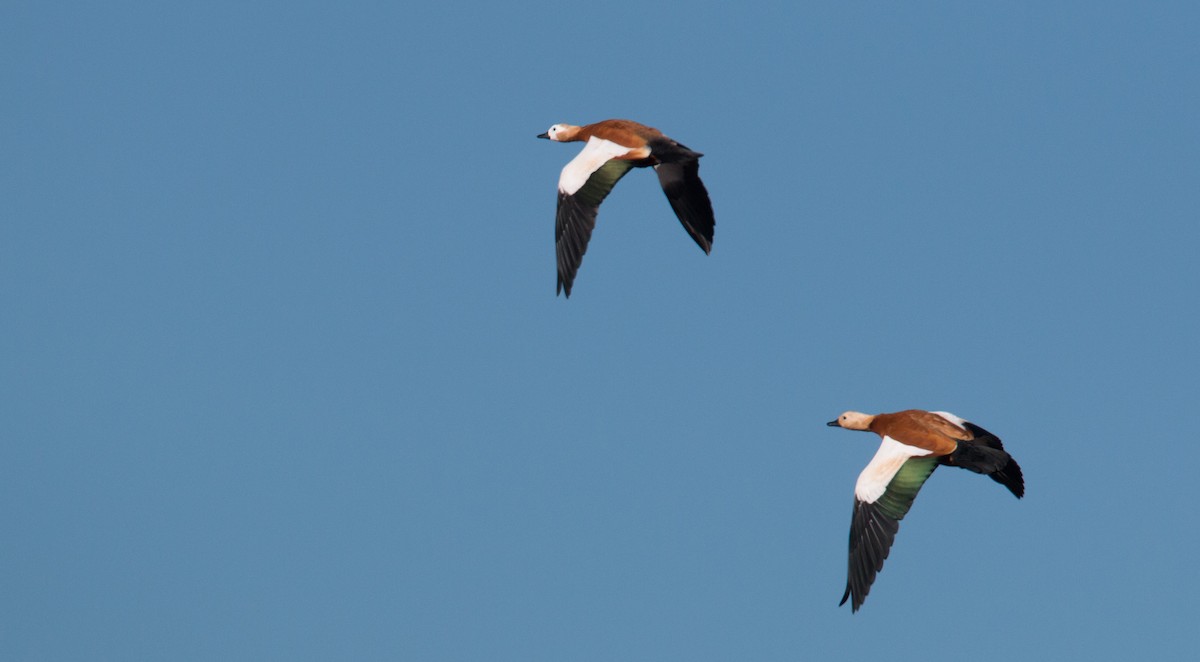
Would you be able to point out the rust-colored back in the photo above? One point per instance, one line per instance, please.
(922, 429)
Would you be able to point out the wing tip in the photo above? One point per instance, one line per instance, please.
(1011, 477)
(845, 597)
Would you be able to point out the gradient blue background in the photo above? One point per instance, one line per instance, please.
(284, 376)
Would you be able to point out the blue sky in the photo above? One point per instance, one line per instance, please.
(283, 375)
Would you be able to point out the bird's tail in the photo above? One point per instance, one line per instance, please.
(986, 455)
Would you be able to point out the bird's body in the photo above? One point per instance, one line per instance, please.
(914, 443)
(613, 148)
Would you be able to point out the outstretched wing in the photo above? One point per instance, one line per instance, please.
(1008, 473)
(875, 523)
(688, 197)
(584, 184)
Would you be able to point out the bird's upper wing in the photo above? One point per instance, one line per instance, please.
(884, 493)
(584, 184)
(1008, 473)
(688, 197)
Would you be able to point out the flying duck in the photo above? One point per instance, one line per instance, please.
(915, 442)
(613, 147)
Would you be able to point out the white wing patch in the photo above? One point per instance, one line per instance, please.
(596, 153)
(874, 479)
(952, 418)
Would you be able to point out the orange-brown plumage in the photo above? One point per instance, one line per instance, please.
(627, 133)
(623, 132)
(613, 148)
(914, 443)
(922, 429)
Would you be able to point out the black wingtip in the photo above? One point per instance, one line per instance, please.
(689, 198)
(1011, 477)
(1009, 472)
(855, 604)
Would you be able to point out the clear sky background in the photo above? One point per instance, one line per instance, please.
(284, 376)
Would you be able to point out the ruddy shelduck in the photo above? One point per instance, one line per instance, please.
(613, 148)
(915, 442)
